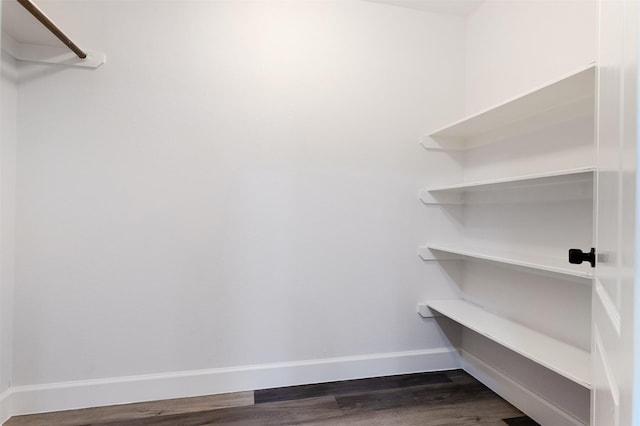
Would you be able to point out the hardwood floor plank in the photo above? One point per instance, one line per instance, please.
(451, 398)
(298, 412)
(349, 386)
(440, 395)
(127, 412)
(460, 377)
(488, 412)
(520, 421)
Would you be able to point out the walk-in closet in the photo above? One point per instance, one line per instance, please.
(206, 198)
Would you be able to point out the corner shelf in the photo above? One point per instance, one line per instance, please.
(566, 98)
(566, 360)
(556, 266)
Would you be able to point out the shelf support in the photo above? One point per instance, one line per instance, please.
(427, 254)
(453, 198)
(50, 54)
(430, 144)
(425, 311)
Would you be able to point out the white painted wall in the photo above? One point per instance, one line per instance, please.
(237, 186)
(514, 46)
(8, 139)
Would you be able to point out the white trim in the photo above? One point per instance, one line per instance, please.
(609, 307)
(151, 387)
(6, 409)
(527, 401)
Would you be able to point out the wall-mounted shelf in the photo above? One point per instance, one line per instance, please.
(454, 194)
(50, 54)
(524, 192)
(562, 358)
(25, 38)
(556, 266)
(569, 97)
(582, 174)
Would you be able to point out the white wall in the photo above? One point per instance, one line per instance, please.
(8, 122)
(514, 46)
(237, 186)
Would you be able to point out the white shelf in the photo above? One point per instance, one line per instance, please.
(566, 360)
(569, 97)
(50, 54)
(581, 174)
(556, 266)
(26, 39)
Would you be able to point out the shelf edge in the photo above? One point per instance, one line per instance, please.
(426, 253)
(514, 179)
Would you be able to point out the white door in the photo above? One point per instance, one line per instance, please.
(614, 286)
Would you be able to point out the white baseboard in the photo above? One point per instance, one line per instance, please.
(125, 390)
(5, 405)
(527, 401)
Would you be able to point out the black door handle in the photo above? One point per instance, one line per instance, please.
(577, 256)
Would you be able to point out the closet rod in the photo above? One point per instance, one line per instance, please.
(40, 16)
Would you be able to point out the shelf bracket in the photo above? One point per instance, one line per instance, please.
(50, 54)
(430, 144)
(429, 197)
(427, 254)
(425, 311)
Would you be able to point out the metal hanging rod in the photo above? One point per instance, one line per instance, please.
(40, 16)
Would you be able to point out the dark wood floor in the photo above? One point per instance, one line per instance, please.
(428, 399)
